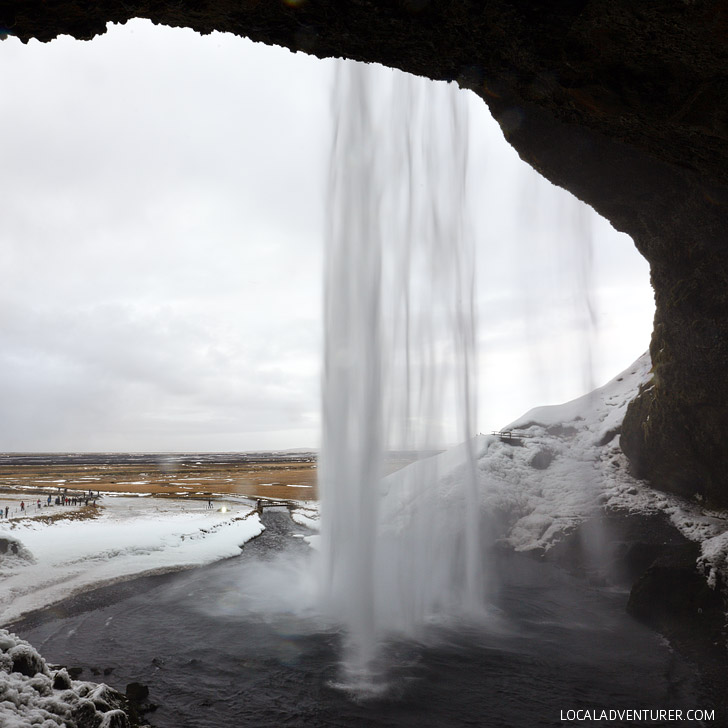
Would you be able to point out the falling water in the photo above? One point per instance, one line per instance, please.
(552, 241)
(399, 363)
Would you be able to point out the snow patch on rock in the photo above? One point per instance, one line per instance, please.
(32, 694)
(13, 554)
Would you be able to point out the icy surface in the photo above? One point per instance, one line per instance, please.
(129, 538)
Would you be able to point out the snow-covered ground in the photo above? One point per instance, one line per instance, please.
(308, 515)
(563, 467)
(46, 562)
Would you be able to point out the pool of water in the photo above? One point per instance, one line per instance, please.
(240, 643)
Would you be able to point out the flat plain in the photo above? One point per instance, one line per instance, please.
(259, 475)
(274, 475)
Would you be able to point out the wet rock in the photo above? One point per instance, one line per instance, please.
(674, 598)
(136, 692)
(61, 680)
(609, 435)
(11, 548)
(542, 459)
(106, 698)
(85, 714)
(617, 547)
(26, 660)
(28, 682)
(8, 545)
(115, 719)
(646, 553)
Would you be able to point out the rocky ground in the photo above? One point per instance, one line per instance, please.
(36, 693)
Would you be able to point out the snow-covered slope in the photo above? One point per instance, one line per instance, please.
(563, 465)
(566, 464)
(587, 470)
(46, 562)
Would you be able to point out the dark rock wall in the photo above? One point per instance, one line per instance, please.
(624, 103)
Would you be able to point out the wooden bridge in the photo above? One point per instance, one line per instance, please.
(271, 503)
(510, 437)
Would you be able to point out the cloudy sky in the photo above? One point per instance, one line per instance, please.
(162, 252)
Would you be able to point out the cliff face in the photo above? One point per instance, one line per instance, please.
(623, 103)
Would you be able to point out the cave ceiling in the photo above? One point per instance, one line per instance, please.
(651, 74)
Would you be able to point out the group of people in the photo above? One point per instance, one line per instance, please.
(62, 499)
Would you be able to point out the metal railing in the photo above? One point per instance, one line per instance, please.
(513, 436)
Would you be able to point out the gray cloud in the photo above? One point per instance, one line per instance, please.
(162, 240)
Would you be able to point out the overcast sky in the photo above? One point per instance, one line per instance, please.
(162, 241)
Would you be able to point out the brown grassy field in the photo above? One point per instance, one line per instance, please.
(263, 475)
(285, 480)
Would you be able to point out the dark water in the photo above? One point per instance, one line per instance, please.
(236, 645)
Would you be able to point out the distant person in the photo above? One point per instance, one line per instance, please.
(38, 503)
(22, 506)
(49, 499)
(209, 502)
(7, 508)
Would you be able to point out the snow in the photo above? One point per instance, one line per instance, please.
(129, 538)
(33, 694)
(565, 467)
(713, 559)
(307, 515)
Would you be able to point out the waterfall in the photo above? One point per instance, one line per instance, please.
(399, 363)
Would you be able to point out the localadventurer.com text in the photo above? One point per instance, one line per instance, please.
(646, 715)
